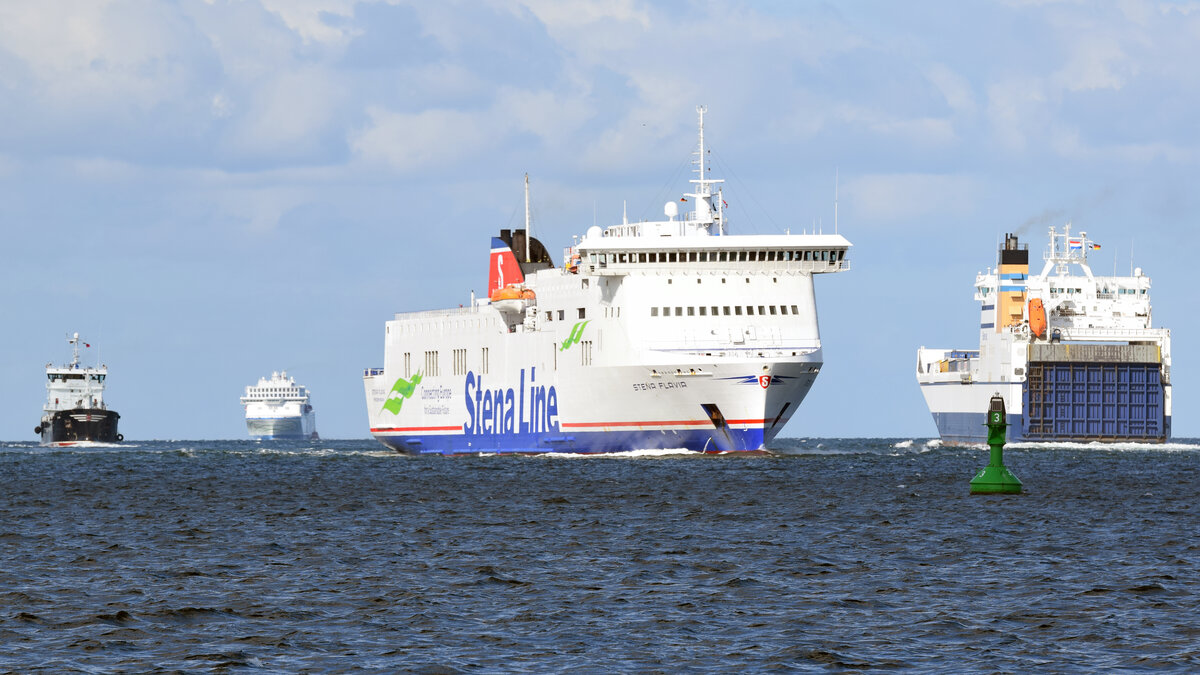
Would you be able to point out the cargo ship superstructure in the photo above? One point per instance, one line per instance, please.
(1074, 355)
(278, 408)
(655, 334)
(75, 412)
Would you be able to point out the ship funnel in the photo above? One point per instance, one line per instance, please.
(1013, 273)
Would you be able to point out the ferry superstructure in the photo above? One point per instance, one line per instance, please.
(278, 408)
(1074, 355)
(654, 334)
(75, 412)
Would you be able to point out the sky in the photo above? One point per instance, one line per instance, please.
(210, 190)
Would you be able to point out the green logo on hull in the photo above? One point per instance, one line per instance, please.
(403, 389)
(573, 338)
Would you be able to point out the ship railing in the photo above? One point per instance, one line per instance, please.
(776, 267)
(1101, 334)
(434, 313)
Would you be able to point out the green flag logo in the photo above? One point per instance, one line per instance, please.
(573, 338)
(403, 389)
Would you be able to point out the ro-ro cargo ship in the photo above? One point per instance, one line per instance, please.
(672, 333)
(1074, 355)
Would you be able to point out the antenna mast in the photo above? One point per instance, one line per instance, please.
(526, 217)
(835, 190)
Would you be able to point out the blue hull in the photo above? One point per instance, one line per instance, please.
(971, 428)
(706, 440)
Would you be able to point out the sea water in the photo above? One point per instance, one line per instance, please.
(832, 554)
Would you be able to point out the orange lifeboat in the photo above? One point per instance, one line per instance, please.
(509, 292)
(1037, 318)
(528, 294)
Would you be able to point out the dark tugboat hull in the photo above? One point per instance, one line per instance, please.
(80, 425)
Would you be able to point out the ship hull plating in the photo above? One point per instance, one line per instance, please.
(80, 425)
(280, 428)
(732, 408)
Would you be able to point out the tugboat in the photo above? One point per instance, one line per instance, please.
(75, 412)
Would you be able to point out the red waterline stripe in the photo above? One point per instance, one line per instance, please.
(454, 428)
(690, 423)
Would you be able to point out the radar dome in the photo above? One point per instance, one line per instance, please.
(671, 209)
(594, 232)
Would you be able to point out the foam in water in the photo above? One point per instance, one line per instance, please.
(657, 452)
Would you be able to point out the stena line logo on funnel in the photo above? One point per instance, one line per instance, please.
(531, 409)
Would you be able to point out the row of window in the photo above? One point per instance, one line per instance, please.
(727, 310)
(1100, 292)
(61, 377)
(562, 314)
(460, 360)
(717, 256)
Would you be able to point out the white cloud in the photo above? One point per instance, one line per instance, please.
(955, 88)
(1096, 62)
(1015, 107)
(441, 137)
(101, 53)
(286, 113)
(306, 18)
(427, 139)
(903, 198)
(586, 13)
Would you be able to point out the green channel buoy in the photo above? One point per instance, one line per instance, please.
(995, 478)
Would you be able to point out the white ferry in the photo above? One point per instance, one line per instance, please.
(664, 334)
(1074, 356)
(75, 412)
(278, 408)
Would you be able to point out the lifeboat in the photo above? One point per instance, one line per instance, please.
(1037, 318)
(512, 298)
(509, 292)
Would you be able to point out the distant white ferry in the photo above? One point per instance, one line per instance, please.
(656, 334)
(1074, 356)
(278, 408)
(75, 412)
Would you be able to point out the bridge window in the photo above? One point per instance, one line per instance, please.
(678, 311)
(783, 309)
(714, 310)
(703, 310)
(691, 311)
(772, 310)
(737, 309)
(749, 310)
(794, 310)
(653, 311)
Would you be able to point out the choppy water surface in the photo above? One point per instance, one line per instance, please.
(843, 554)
